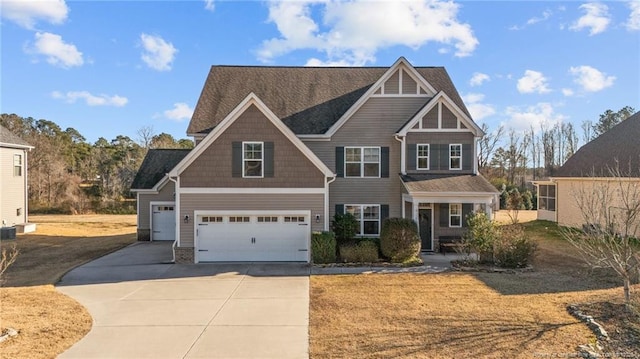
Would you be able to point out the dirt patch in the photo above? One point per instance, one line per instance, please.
(48, 321)
(622, 326)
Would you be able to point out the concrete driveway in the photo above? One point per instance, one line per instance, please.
(145, 307)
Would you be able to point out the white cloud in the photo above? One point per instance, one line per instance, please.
(158, 54)
(352, 32)
(477, 109)
(540, 114)
(57, 52)
(89, 99)
(180, 112)
(478, 78)
(567, 92)
(209, 5)
(633, 23)
(591, 79)
(533, 81)
(27, 13)
(534, 20)
(596, 18)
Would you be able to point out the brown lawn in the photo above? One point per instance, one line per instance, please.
(48, 321)
(460, 315)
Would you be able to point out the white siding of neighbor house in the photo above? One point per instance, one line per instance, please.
(12, 188)
(374, 124)
(144, 200)
(250, 202)
(568, 190)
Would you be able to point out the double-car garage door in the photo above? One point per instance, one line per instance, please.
(253, 236)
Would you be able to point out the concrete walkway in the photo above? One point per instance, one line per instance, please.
(145, 307)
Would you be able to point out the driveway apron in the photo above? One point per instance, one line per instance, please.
(143, 306)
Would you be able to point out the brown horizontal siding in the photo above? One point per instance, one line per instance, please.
(213, 168)
(144, 201)
(189, 203)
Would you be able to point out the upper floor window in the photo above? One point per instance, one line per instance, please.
(252, 159)
(455, 157)
(455, 215)
(368, 217)
(362, 161)
(547, 197)
(422, 156)
(17, 165)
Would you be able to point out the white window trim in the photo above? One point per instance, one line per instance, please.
(249, 159)
(452, 157)
(459, 206)
(361, 219)
(418, 157)
(362, 161)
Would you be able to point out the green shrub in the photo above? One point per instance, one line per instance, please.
(362, 252)
(345, 226)
(399, 239)
(480, 236)
(513, 248)
(323, 247)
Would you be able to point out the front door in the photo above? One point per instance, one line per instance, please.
(425, 229)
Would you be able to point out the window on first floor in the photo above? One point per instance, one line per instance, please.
(422, 157)
(455, 215)
(368, 216)
(17, 165)
(547, 197)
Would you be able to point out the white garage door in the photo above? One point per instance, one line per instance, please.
(253, 237)
(163, 222)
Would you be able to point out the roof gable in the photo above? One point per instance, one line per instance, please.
(308, 100)
(616, 149)
(156, 164)
(251, 100)
(10, 139)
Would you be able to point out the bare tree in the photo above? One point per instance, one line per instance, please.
(610, 209)
(145, 135)
(487, 144)
(587, 131)
(7, 257)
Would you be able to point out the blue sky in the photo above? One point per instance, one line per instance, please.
(108, 68)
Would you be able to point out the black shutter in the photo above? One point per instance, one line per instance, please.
(339, 209)
(467, 157)
(467, 209)
(384, 212)
(444, 215)
(411, 156)
(444, 156)
(236, 158)
(268, 159)
(434, 156)
(340, 161)
(384, 162)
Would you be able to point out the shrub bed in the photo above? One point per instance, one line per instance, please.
(362, 252)
(399, 239)
(323, 247)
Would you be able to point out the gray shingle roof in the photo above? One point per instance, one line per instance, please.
(617, 148)
(309, 100)
(155, 165)
(448, 183)
(9, 138)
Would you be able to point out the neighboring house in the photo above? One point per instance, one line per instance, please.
(590, 167)
(280, 150)
(13, 182)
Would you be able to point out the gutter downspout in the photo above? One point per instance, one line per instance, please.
(403, 169)
(175, 241)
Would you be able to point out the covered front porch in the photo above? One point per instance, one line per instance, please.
(440, 204)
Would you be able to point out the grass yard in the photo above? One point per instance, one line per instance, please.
(462, 315)
(48, 321)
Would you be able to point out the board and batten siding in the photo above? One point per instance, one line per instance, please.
(166, 194)
(12, 188)
(249, 202)
(374, 124)
(466, 139)
(214, 167)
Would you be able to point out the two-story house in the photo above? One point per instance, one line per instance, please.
(280, 150)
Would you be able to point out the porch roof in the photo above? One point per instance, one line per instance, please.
(448, 183)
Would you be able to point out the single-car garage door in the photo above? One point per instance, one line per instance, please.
(163, 222)
(253, 237)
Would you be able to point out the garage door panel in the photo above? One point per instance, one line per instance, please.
(256, 238)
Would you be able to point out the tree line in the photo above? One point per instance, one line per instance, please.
(67, 174)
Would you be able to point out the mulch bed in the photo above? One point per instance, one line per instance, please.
(622, 325)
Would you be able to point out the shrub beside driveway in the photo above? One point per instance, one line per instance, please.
(48, 321)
